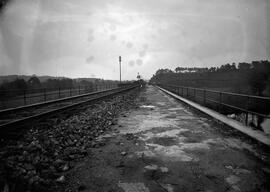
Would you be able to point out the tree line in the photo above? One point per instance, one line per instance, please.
(248, 77)
(34, 85)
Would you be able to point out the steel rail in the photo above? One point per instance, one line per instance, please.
(19, 122)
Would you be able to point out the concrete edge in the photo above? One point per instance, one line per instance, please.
(257, 135)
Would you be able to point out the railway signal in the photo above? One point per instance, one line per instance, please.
(138, 76)
(120, 59)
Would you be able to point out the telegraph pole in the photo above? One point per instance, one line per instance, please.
(120, 67)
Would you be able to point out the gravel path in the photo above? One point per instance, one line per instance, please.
(163, 146)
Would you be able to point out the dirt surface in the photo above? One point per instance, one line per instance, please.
(39, 159)
(163, 146)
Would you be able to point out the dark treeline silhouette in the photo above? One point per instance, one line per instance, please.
(3, 3)
(34, 85)
(250, 78)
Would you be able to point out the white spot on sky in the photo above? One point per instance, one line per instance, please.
(90, 38)
(153, 36)
(145, 46)
(112, 37)
(129, 45)
(142, 53)
(131, 63)
(112, 27)
(90, 31)
(90, 59)
(139, 62)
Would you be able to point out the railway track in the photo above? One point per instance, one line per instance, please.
(14, 118)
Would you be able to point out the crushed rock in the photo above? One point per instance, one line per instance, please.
(133, 187)
(48, 149)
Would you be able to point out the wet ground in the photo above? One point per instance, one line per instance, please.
(163, 146)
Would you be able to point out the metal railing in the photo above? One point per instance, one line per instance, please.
(16, 98)
(226, 102)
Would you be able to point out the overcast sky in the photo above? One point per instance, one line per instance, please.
(83, 38)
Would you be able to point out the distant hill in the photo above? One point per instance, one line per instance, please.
(87, 79)
(9, 78)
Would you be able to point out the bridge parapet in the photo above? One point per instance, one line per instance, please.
(248, 109)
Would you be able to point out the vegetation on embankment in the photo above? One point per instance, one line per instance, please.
(248, 78)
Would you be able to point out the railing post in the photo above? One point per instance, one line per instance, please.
(182, 92)
(187, 91)
(194, 94)
(247, 106)
(70, 93)
(24, 97)
(59, 94)
(220, 100)
(79, 89)
(44, 92)
(204, 95)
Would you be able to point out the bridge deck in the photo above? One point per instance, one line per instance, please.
(165, 146)
(257, 135)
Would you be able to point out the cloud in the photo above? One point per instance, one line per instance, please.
(37, 35)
